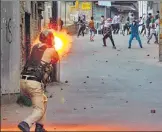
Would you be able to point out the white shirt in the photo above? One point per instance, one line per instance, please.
(115, 20)
(152, 29)
(157, 25)
(118, 19)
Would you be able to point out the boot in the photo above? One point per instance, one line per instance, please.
(23, 126)
(39, 128)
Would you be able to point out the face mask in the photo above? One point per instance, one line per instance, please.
(133, 23)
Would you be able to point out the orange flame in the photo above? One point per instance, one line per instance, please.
(62, 40)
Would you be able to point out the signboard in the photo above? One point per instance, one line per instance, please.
(86, 6)
(104, 3)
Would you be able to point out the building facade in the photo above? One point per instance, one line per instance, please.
(30, 25)
(10, 49)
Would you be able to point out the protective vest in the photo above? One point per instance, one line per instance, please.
(34, 65)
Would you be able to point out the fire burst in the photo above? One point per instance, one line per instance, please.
(62, 41)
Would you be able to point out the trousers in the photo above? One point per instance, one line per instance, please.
(39, 101)
(138, 39)
(150, 37)
(108, 36)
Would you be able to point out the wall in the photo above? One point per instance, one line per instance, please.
(47, 14)
(10, 47)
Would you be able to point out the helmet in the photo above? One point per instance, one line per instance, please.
(46, 36)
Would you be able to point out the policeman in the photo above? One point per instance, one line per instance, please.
(34, 74)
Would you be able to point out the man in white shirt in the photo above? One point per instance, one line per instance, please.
(114, 22)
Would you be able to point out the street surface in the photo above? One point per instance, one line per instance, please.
(106, 89)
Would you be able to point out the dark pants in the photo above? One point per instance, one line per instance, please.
(150, 37)
(81, 30)
(116, 28)
(143, 29)
(148, 31)
(126, 28)
(110, 37)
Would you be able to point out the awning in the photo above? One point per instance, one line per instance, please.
(123, 8)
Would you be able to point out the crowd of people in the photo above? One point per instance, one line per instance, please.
(145, 25)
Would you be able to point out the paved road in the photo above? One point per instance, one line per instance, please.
(122, 88)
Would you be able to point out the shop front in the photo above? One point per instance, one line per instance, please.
(70, 11)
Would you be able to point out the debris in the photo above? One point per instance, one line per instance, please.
(106, 61)
(4, 118)
(61, 88)
(66, 81)
(84, 107)
(102, 78)
(118, 50)
(96, 60)
(153, 111)
(62, 100)
(154, 58)
(87, 76)
(117, 54)
(139, 85)
(91, 106)
(148, 55)
(17, 112)
(126, 102)
(150, 82)
(138, 69)
(75, 109)
(50, 96)
(84, 82)
(102, 82)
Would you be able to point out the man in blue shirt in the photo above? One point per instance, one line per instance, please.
(134, 33)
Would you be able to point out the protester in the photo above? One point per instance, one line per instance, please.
(118, 24)
(134, 33)
(114, 22)
(143, 30)
(60, 24)
(157, 24)
(102, 23)
(92, 29)
(82, 27)
(126, 28)
(108, 33)
(152, 32)
(148, 21)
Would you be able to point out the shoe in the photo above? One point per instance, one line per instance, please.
(129, 47)
(104, 45)
(148, 42)
(23, 126)
(39, 128)
(114, 47)
(141, 47)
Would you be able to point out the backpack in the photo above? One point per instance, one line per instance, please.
(34, 67)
